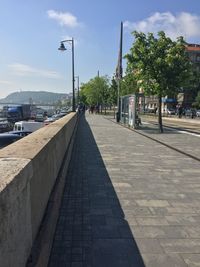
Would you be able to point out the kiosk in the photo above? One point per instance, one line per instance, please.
(130, 108)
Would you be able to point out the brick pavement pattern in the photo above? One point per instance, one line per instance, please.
(128, 201)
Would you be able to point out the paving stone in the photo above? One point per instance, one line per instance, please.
(152, 203)
(163, 260)
(181, 245)
(149, 245)
(192, 260)
(152, 220)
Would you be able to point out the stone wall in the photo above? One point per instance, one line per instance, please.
(28, 171)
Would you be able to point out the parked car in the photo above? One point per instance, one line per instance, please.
(49, 120)
(39, 117)
(190, 113)
(198, 113)
(171, 111)
(5, 125)
(59, 115)
(8, 138)
(149, 110)
(64, 113)
(54, 118)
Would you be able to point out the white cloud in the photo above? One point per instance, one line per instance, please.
(64, 19)
(4, 82)
(25, 70)
(182, 24)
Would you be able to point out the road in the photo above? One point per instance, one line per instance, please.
(186, 124)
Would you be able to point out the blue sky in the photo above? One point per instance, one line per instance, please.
(31, 31)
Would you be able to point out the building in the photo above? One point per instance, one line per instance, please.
(193, 51)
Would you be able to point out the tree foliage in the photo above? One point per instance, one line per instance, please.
(159, 65)
(96, 91)
(128, 85)
(113, 92)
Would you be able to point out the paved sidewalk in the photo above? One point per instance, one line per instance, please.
(128, 201)
(178, 139)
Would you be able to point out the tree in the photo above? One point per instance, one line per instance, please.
(160, 65)
(96, 91)
(128, 84)
(113, 93)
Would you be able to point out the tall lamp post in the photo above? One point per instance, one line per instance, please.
(119, 73)
(62, 48)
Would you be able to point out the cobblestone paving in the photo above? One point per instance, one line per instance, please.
(128, 201)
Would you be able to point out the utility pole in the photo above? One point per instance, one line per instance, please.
(119, 72)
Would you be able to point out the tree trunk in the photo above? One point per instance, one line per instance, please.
(160, 114)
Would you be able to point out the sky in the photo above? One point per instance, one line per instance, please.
(31, 32)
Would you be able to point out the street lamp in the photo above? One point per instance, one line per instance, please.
(62, 48)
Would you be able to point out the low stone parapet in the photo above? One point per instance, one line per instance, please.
(28, 171)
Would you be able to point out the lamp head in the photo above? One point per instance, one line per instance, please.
(62, 47)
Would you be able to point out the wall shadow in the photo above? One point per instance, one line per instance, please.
(91, 230)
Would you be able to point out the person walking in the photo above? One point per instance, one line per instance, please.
(180, 111)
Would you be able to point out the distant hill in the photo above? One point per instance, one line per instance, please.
(35, 97)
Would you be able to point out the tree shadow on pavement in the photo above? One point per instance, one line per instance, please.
(92, 230)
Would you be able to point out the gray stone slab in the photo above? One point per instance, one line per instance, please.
(192, 260)
(181, 245)
(149, 245)
(163, 260)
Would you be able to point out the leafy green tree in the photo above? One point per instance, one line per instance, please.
(128, 84)
(113, 93)
(103, 91)
(96, 91)
(86, 94)
(160, 65)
